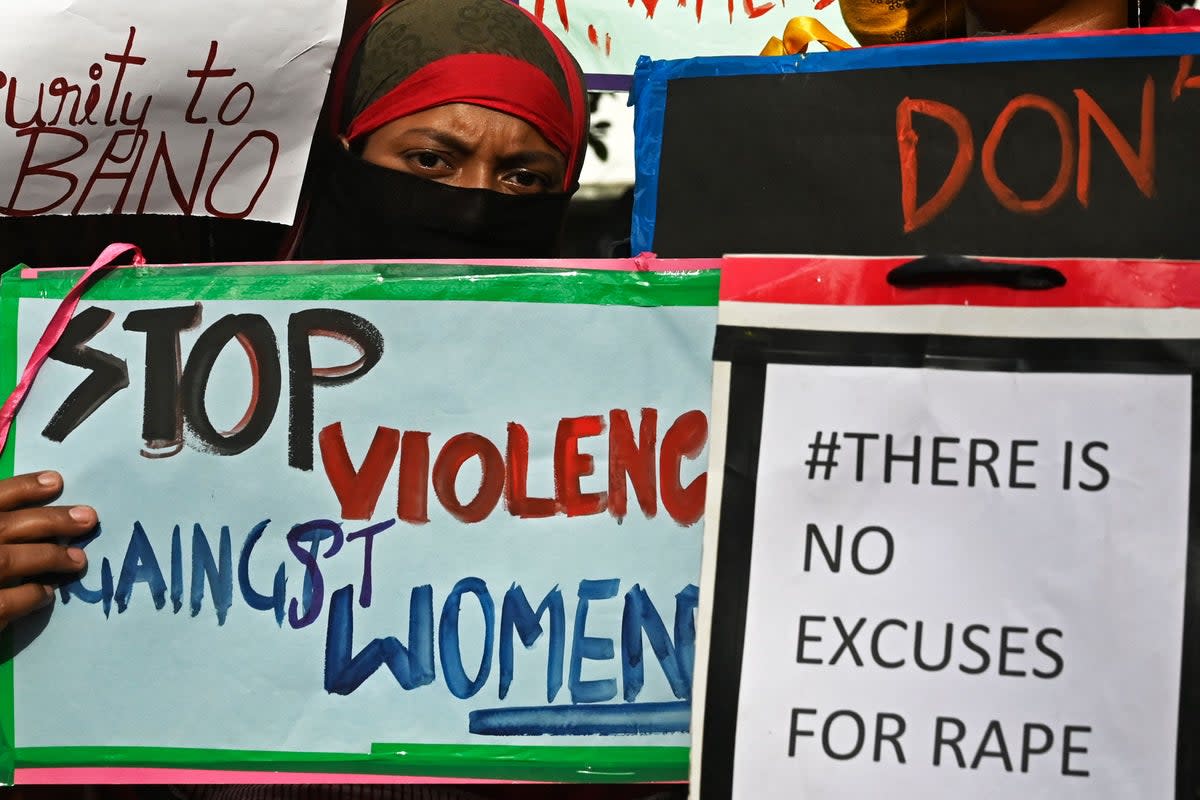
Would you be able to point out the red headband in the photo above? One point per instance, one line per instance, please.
(501, 83)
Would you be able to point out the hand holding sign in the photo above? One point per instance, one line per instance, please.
(28, 548)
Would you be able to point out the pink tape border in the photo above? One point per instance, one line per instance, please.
(65, 776)
(114, 776)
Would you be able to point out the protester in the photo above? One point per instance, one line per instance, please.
(461, 131)
(461, 127)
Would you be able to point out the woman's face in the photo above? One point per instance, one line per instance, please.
(469, 147)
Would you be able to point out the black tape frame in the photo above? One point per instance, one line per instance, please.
(751, 350)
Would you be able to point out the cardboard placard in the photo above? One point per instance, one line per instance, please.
(951, 551)
(197, 108)
(1027, 147)
(607, 37)
(426, 521)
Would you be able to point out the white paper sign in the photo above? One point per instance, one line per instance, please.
(965, 584)
(607, 36)
(187, 107)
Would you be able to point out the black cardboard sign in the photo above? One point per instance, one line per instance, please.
(1057, 156)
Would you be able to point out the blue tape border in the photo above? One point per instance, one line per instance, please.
(624, 719)
(648, 94)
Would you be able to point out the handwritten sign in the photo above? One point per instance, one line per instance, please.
(449, 527)
(1024, 148)
(607, 36)
(161, 108)
(960, 553)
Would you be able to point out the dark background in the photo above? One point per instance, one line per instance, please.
(809, 163)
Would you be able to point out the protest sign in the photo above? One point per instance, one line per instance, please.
(204, 108)
(1035, 147)
(953, 535)
(420, 520)
(608, 36)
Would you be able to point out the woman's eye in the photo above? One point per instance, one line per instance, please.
(529, 180)
(428, 160)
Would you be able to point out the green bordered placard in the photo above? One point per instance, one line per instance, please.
(539, 760)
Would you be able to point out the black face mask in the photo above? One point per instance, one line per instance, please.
(365, 211)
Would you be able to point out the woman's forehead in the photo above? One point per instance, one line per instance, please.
(473, 126)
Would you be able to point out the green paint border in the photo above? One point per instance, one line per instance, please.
(341, 282)
(548, 763)
(389, 282)
(8, 381)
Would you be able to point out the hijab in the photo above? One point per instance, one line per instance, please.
(415, 55)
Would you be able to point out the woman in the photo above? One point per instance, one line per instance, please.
(461, 130)
(460, 133)
(461, 127)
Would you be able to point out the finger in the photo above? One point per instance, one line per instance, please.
(39, 524)
(29, 489)
(21, 600)
(19, 561)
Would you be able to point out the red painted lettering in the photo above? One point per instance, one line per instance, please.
(539, 8)
(1003, 192)
(131, 161)
(650, 6)
(516, 487)
(161, 154)
(918, 215)
(10, 110)
(570, 465)
(48, 169)
(450, 460)
(1140, 165)
(241, 88)
(632, 460)
(270, 160)
(1184, 78)
(684, 439)
(202, 76)
(412, 499)
(358, 490)
(753, 10)
(123, 61)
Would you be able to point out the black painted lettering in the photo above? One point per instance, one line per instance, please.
(254, 334)
(162, 415)
(109, 374)
(343, 326)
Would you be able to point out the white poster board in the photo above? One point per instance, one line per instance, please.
(607, 36)
(986, 627)
(960, 535)
(188, 107)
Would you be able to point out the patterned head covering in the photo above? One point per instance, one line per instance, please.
(419, 54)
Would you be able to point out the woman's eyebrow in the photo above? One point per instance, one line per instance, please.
(447, 140)
(532, 158)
